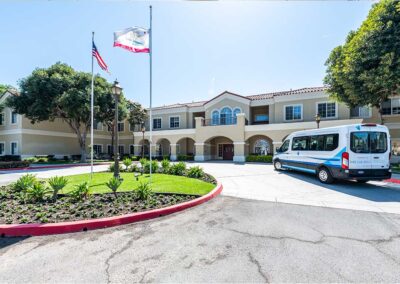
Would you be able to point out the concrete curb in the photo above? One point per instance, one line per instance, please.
(84, 225)
(54, 167)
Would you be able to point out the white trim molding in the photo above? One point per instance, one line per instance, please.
(293, 105)
(327, 102)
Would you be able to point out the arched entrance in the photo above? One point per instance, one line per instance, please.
(185, 146)
(144, 147)
(163, 148)
(260, 145)
(219, 148)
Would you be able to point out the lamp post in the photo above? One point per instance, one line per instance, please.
(116, 90)
(317, 119)
(143, 131)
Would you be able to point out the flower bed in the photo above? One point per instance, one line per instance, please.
(14, 210)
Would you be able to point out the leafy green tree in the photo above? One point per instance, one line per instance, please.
(106, 113)
(365, 70)
(4, 88)
(60, 92)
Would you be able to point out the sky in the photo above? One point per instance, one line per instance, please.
(200, 48)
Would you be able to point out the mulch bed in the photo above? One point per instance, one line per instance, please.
(14, 210)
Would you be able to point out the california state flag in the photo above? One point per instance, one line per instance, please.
(134, 39)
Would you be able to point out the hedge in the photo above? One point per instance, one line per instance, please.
(259, 158)
(185, 158)
(14, 164)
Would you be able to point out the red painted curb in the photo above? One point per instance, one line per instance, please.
(393, 180)
(83, 225)
(53, 166)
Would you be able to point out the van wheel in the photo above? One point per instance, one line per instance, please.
(277, 165)
(324, 175)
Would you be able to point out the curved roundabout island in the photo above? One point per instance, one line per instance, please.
(32, 207)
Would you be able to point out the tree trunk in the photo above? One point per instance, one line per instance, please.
(82, 144)
(381, 113)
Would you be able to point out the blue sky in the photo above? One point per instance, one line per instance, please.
(199, 48)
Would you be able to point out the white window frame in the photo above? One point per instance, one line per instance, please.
(3, 114)
(327, 102)
(11, 118)
(218, 118)
(11, 148)
(4, 145)
(179, 121)
(101, 146)
(359, 116)
(391, 107)
(293, 105)
(160, 118)
(123, 148)
(123, 127)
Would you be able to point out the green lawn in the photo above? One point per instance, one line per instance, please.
(396, 169)
(160, 183)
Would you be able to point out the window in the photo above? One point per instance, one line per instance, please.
(236, 111)
(156, 123)
(262, 147)
(261, 118)
(360, 111)
(391, 106)
(13, 117)
(331, 142)
(317, 143)
(109, 150)
(293, 112)
(300, 143)
(121, 126)
(121, 150)
(220, 150)
(2, 148)
(326, 110)
(226, 116)
(285, 146)
(215, 117)
(97, 149)
(132, 149)
(326, 142)
(97, 125)
(2, 118)
(174, 122)
(14, 148)
(368, 142)
(131, 127)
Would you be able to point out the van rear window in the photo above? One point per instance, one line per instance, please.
(365, 142)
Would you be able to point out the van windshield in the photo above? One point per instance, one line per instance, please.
(368, 142)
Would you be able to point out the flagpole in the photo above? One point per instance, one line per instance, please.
(91, 116)
(151, 89)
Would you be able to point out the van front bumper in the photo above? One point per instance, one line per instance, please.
(362, 174)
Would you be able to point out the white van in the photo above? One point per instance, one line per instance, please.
(358, 152)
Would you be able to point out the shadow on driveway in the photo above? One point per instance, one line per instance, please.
(366, 191)
(8, 241)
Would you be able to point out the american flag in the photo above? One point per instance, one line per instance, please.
(100, 60)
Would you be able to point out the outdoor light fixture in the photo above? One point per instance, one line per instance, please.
(317, 119)
(116, 90)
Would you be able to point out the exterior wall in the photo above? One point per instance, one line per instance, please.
(7, 139)
(228, 103)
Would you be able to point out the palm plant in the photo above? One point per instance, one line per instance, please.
(37, 191)
(24, 183)
(127, 163)
(57, 183)
(114, 184)
(81, 191)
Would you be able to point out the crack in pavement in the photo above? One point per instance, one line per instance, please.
(121, 250)
(259, 268)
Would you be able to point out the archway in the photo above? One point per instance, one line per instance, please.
(163, 147)
(219, 148)
(260, 145)
(143, 148)
(185, 146)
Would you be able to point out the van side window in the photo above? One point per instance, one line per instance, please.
(285, 146)
(331, 142)
(317, 143)
(301, 143)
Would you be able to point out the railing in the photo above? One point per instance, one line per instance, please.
(221, 121)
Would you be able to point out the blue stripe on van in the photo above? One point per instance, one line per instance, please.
(299, 169)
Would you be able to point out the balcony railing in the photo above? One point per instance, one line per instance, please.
(221, 121)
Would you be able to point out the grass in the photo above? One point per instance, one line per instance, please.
(160, 183)
(396, 169)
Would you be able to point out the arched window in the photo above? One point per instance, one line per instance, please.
(236, 111)
(215, 117)
(226, 116)
(262, 147)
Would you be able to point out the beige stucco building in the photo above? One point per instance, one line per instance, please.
(229, 126)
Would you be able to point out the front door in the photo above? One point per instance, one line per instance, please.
(227, 152)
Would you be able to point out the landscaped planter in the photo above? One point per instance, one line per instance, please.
(89, 224)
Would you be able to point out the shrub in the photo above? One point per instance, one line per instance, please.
(154, 167)
(143, 191)
(134, 168)
(127, 163)
(165, 165)
(134, 158)
(10, 158)
(178, 169)
(31, 159)
(14, 164)
(80, 191)
(195, 172)
(37, 191)
(24, 182)
(111, 167)
(259, 158)
(113, 184)
(142, 162)
(57, 183)
(185, 158)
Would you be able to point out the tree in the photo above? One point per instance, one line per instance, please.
(60, 92)
(4, 88)
(137, 116)
(106, 113)
(365, 70)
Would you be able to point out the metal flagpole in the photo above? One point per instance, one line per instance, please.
(151, 99)
(91, 115)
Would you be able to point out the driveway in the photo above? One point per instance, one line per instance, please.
(262, 182)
